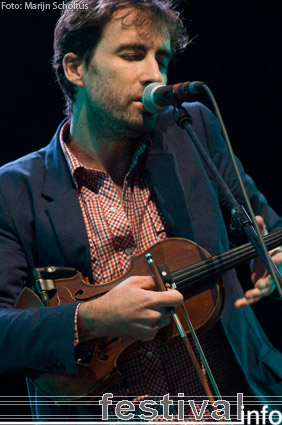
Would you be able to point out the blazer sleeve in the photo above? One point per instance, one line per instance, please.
(40, 338)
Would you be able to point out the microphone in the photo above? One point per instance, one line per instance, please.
(157, 97)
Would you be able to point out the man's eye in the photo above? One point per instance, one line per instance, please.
(132, 57)
(163, 62)
(163, 66)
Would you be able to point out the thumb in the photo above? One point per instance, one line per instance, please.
(261, 225)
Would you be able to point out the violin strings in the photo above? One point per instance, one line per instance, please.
(213, 265)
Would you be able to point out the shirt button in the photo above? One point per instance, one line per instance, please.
(149, 354)
(128, 251)
(113, 209)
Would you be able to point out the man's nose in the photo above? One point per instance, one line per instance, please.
(152, 73)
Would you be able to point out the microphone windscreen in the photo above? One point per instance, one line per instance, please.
(148, 98)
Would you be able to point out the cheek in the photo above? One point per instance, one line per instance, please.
(164, 81)
(118, 77)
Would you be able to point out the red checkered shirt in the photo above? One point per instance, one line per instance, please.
(117, 228)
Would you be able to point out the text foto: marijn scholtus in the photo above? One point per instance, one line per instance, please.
(28, 5)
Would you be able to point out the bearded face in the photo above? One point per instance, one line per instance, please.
(127, 59)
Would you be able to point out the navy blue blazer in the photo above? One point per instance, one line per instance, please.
(41, 224)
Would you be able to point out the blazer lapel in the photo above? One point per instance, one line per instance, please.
(162, 170)
(64, 210)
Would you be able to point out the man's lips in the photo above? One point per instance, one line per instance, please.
(144, 110)
(138, 100)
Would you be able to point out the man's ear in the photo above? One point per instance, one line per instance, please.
(73, 69)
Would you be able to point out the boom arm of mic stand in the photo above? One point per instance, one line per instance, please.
(240, 217)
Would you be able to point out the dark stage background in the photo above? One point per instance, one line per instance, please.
(235, 49)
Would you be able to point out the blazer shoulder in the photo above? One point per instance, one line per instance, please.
(18, 175)
(197, 111)
(23, 163)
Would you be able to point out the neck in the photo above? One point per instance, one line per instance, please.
(104, 151)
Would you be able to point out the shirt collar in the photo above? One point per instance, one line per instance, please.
(75, 166)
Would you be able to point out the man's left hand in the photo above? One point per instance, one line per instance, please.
(263, 283)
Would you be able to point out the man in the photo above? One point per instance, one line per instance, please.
(115, 180)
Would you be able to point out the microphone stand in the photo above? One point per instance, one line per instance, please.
(240, 219)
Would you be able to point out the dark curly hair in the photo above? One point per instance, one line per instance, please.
(80, 27)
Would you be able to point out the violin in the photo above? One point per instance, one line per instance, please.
(180, 262)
